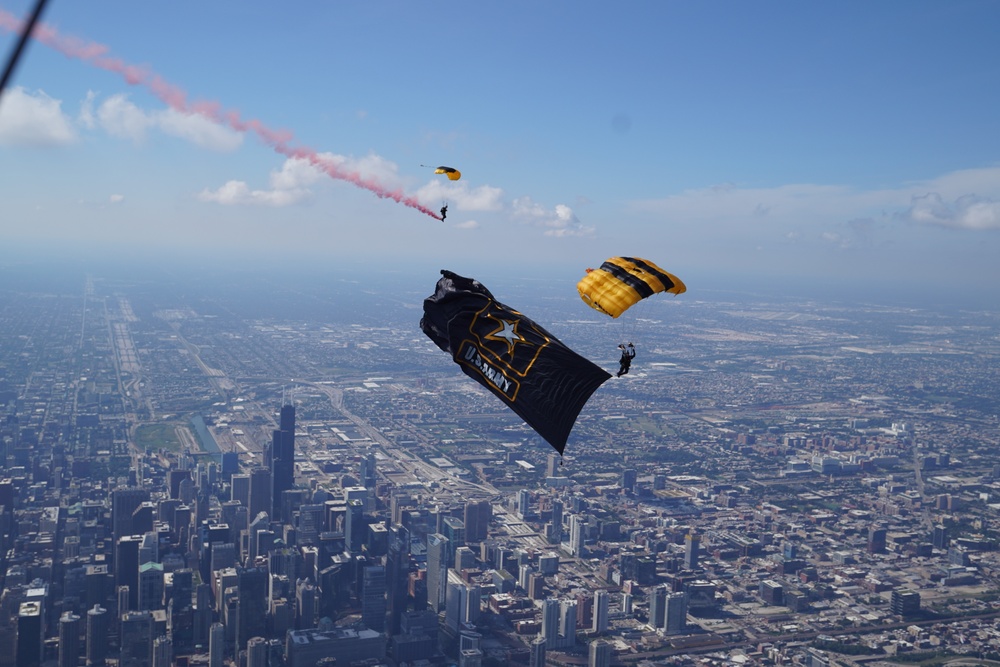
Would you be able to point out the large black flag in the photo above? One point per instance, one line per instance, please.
(529, 369)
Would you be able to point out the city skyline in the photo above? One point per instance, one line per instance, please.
(775, 480)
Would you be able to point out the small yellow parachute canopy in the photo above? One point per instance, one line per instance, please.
(622, 282)
(451, 173)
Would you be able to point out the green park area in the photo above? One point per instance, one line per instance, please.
(152, 437)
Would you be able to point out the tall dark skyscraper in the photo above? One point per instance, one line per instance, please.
(97, 635)
(282, 453)
(397, 569)
(127, 569)
(691, 548)
(30, 635)
(261, 488)
(367, 470)
(124, 503)
(373, 602)
(252, 591)
(876, 540)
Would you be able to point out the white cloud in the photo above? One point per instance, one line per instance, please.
(966, 212)
(730, 202)
(468, 224)
(28, 119)
(370, 167)
(198, 130)
(835, 238)
(967, 199)
(289, 185)
(116, 199)
(119, 117)
(461, 196)
(558, 222)
(295, 175)
(238, 192)
(86, 117)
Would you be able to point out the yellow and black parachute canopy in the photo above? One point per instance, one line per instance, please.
(452, 173)
(622, 282)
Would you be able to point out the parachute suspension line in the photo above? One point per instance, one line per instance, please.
(633, 322)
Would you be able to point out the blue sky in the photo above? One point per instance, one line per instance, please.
(787, 140)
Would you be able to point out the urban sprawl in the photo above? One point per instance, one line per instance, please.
(193, 477)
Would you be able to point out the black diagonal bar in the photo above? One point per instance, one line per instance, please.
(636, 283)
(667, 281)
(8, 69)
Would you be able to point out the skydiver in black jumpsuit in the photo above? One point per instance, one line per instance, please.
(628, 353)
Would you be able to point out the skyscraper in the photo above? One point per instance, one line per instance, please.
(150, 586)
(454, 529)
(524, 503)
(397, 569)
(127, 569)
(305, 604)
(657, 606)
(97, 636)
(282, 463)
(216, 644)
(477, 516)
(202, 614)
(252, 592)
(182, 588)
(675, 614)
(163, 651)
(136, 639)
(29, 634)
(437, 570)
(69, 639)
(876, 540)
(230, 464)
(355, 526)
(257, 652)
(567, 623)
(373, 603)
(123, 503)
(537, 652)
(692, 544)
(455, 607)
(577, 526)
(367, 471)
(260, 492)
(557, 521)
(473, 604)
(905, 602)
(629, 477)
(601, 599)
(599, 654)
(552, 466)
(939, 537)
(240, 490)
(550, 622)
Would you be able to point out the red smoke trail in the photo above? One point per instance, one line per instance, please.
(175, 98)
